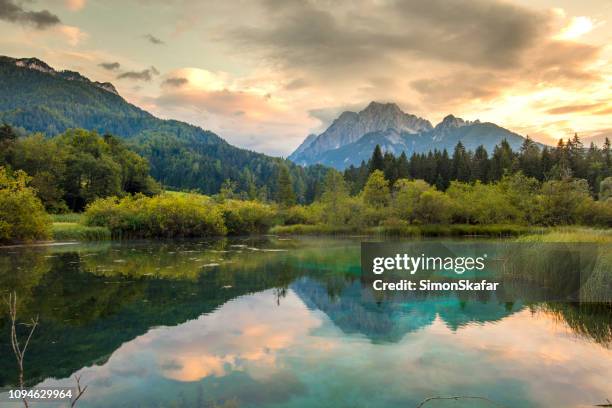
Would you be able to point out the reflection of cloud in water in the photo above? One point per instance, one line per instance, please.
(236, 337)
(251, 348)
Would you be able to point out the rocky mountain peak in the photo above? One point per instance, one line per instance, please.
(41, 66)
(451, 121)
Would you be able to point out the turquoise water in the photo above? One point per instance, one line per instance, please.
(284, 323)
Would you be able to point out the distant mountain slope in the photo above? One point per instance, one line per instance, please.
(37, 98)
(395, 136)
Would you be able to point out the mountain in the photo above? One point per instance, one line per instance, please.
(37, 98)
(353, 136)
(351, 126)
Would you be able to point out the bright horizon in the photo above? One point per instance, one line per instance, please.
(264, 74)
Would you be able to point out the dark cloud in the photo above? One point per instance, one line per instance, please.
(473, 32)
(111, 66)
(15, 13)
(175, 82)
(296, 84)
(153, 40)
(144, 75)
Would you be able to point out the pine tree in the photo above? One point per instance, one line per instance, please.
(377, 162)
(285, 194)
(461, 163)
(403, 167)
(502, 161)
(607, 158)
(480, 165)
(530, 159)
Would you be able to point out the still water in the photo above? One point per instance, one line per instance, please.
(272, 322)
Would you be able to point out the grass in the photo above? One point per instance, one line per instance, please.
(68, 217)
(570, 234)
(455, 230)
(72, 231)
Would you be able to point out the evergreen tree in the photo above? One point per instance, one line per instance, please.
(530, 159)
(480, 165)
(403, 167)
(285, 194)
(502, 161)
(377, 162)
(461, 163)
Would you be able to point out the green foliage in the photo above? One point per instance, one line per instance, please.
(75, 218)
(605, 189)
(563, 200)
(247, 217)
(568, 160)
(481, 204)
(433, 207)
(71, 231)
(164, 215)
(77, 167)
(181, 156)
(335, 199)
(406, 196)
(376, 191)
(22, 215)
(285, 194)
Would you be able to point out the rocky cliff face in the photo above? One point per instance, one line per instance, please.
(351, 126)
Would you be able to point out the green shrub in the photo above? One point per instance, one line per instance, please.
(247, 217)
(298, 214)
(165, 215)
(22, 215)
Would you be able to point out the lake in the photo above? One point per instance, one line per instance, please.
(271, 322)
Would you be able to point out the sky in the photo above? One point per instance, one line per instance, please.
(263, 74)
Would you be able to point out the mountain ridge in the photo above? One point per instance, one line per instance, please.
(341, 152)
(37, 98)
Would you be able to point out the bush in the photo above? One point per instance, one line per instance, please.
(299, 214)
(482, 204)
(22, 215)
(564, 199)
(247, 217)
(165, 215)
(597, 213)
(433, 207)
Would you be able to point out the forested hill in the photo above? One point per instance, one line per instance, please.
(37, 98)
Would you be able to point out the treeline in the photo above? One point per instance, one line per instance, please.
(568, 159)
(516, 199)
(74, 169)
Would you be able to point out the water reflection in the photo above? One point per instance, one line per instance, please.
(268, 322)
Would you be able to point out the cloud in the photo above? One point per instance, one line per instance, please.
(574, 108)
(176, 82)
(476, 33)
(153, 40)
(75, 5)
(144, 75)
(74, 35)
(298, 83)
(111, 66)
(15, 13)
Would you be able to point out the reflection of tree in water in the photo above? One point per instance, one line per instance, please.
(589, 320)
